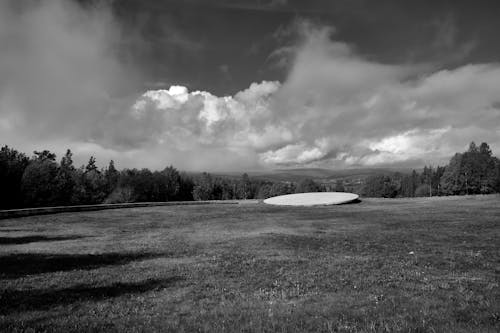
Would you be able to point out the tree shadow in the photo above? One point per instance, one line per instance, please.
(29, 300)
(34, 239)
(356, 201)
(18, 265)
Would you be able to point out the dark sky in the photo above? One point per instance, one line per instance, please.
(232, 85)
(222, 45)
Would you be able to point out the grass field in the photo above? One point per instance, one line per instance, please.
(420, 265)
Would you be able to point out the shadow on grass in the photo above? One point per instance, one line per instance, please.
(29, 300)
(33, 239)
(11, 229)
(18, 265)
(356, 201)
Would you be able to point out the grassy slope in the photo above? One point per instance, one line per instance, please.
(381, 265)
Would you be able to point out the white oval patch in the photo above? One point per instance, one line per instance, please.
(312, 199)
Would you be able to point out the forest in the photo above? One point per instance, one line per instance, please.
(475, 171)
(40, 181)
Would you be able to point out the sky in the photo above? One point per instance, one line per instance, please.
(244, 85)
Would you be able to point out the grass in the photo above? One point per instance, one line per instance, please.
(383, 265)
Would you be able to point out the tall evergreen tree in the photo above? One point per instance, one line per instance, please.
(472, 172)
(12, 166)
(39, 183)
(91, 165)
(92, 183)
(244, 188)
(111, 176)
(66, 180)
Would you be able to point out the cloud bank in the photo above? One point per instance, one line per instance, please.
(337, 109)
(60, 73)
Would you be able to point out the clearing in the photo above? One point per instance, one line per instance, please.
(427, 264)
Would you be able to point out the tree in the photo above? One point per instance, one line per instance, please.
(422, 190)
(44, 155)
(497, 163)
(473, 148)
(484, 149)
(436, 180)
(281, 188)
(265, 191)
(381, 186)
(244, 188)
(172, 183)
(430, 178)
(203, 188)
(452, 181)
(185, 188)
(92, 184)
(409, 184)
(38, 182)
(120, 195)
(488, 169)
(228, 188)
(142, 184)
(91, 166)
(339, 186)
(66, 180)
(12, 166)
(111, 177)
(471, 172)
(307, 185)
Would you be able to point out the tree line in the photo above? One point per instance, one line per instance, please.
(475, 171)
(40, 180)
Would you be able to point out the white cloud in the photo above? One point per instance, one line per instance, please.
(402, 147)
(204, 119)
(293, 154)
(335, 108)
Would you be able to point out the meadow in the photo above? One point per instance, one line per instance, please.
(381, 265)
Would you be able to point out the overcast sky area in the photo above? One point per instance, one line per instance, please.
(243, 85)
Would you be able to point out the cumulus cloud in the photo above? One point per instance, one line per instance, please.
(339, 109)
(187, 120)
(334, 109)
(346, 110)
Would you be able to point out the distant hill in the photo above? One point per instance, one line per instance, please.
(322, 175)
(317, 174)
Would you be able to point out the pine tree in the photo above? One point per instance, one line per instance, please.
(66, 180)
(471, 172)
(38, 182)
(91, 165)
(111, 176)
(12, 166)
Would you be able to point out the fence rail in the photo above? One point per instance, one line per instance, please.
(13, 213)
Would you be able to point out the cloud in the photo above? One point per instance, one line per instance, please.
(356, 108)
(339, 109)
(58, 69)
(59, 74)
(446, 46)
(188, 119)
